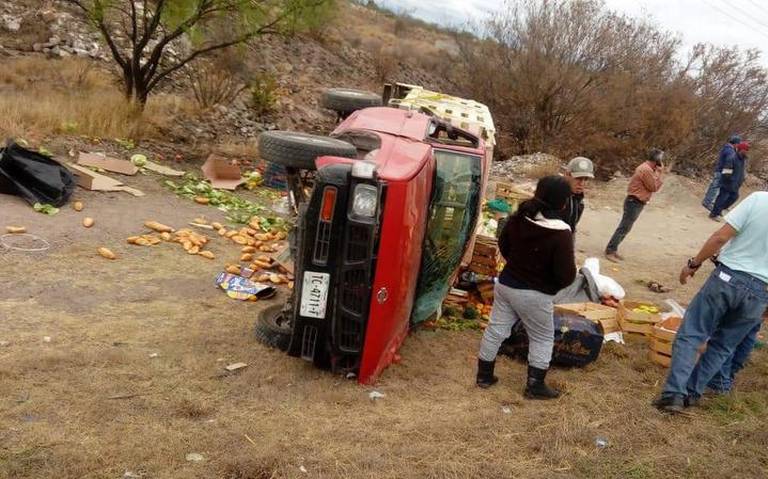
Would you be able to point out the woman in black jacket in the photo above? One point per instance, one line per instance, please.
(538, 248)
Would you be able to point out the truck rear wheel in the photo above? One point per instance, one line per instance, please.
(273, 329)
(345, 101)
(300, 150)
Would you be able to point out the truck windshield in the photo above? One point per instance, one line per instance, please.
(453, 211)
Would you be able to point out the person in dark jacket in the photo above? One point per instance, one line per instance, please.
(732, 175)
(538, 248)
(578, 172)
(727, 152)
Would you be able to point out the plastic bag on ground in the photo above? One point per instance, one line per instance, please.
(578, 341)
(34, 177)
(606, 286)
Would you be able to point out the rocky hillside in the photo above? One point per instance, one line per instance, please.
(361, 48)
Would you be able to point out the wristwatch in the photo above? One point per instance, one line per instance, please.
(692, 264)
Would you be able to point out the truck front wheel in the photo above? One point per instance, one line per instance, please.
(273, 327)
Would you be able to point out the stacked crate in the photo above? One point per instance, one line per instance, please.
(485, 256)
(662, 336)
(638, 322)
(512, 194)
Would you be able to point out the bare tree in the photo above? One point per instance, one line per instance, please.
(571, 77)
(145, 37)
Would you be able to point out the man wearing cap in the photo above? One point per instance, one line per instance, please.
(727, 310)
(727, 154)
(644, 183)
(732, 174)
(578, 171)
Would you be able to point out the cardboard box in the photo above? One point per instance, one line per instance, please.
(101, 161)
(90, 180)
(222, 173)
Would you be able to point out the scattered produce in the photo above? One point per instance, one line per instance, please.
(47, 209)
(233, 269)
(646, 308)
(239, 210)
(77, 206)
(202, 200)
(88, 222)
(106, 253)
(262, 264)
(159, 227)
(139, 160)
(15, 229)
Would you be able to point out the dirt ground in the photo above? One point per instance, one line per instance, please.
(95, 402)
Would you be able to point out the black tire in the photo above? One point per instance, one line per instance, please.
(271, 328)
(299, 150)
(346, 101)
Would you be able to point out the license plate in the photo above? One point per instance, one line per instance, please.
(314, 294)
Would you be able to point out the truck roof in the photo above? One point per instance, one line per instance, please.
(391, 121)
(404, 144)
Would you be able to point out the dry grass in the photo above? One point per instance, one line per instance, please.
(279, 414)
(72, 96)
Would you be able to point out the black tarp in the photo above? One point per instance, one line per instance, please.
(33, 176)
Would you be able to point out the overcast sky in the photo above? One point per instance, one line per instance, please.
(720, 22)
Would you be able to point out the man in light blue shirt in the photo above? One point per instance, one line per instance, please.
(727, 310)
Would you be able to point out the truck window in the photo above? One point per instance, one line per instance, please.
(453, 211)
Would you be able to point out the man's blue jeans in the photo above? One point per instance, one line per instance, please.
(725, 199)
(632, 209)
(712, 191)
(723, 380)
(726, 309)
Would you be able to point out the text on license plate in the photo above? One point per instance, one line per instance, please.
(314, 294)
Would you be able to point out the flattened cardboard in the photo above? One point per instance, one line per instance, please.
(90, 180)
(163, 170)
(98, 160)
(222, 173)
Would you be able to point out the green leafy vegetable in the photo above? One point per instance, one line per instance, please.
(239, 210)
(45, 208)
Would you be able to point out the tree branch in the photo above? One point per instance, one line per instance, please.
(134, 22)
(180, 64)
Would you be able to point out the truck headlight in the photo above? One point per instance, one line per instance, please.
(365, 200)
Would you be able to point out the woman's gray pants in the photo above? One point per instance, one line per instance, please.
(531, 307)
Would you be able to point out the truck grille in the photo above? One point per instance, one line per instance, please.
(358, 243)
(354, 293)
(322, 243)
(354, 289)
(350, 334)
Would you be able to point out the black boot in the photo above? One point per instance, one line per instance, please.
(535, 388)
(485, 377)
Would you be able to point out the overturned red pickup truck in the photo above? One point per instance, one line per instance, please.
(396, 199)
